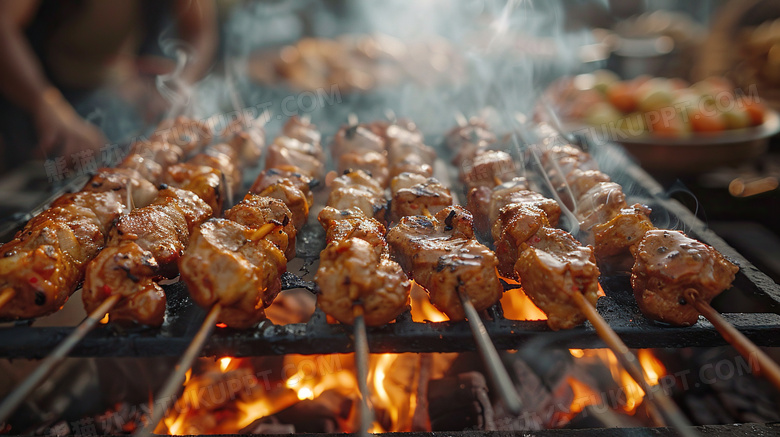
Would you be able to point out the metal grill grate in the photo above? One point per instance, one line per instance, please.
(318, 337)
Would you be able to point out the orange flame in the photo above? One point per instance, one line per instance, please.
(634, 395)
(653, 367)
(224, 363)
(518, 306)
(422, 308)
(314, 376)
(583, 395)
(392, 383)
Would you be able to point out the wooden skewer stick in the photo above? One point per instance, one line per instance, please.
(629, 361)
(6, 295)
(486, 348)
(493, 364)
(167, 396)
(759, 362)
(13, 400)
(361, 364)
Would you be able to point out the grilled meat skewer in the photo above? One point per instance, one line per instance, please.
(236, 263)
(441, 252)
(356, 270)
(433, 241)
(46, 261)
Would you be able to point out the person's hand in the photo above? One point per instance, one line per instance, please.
(61, 131)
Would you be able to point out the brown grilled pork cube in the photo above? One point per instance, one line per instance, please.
(516, 224)
(255, 211)
(343, 224)
(287, 152)
(373, 163)
(516, 191)
(224, 265)
(476, 131)
(161, 152)
(488, 169)
(402, 130)
(399, 149)
(352, 271)
(290, 187)
(580, 181)
(205, 181)
(357, 139)
(442, 255)
(162, 228)
(667, 264)
(222, 162)
(146, 168)
(357, 189)
(271, 176)
(302, 130)
(123, 181)
(413, 157)
(478, 204)
(129, 271)
(600, 204)
(554, 267)
(614, 239)
(413, 194)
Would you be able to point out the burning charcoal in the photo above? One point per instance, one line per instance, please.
(536, 401)
(706, 410)
(552, 366)
(460, 403)
(732, 394)
(320, 415)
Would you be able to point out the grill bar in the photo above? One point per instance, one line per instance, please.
(319, 337)
(736, 430)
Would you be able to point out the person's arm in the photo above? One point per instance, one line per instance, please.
(197, 24)
(21, 78)
(23, 83)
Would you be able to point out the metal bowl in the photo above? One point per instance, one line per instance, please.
(699, 152)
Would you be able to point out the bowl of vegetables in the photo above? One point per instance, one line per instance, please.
(669, 125)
